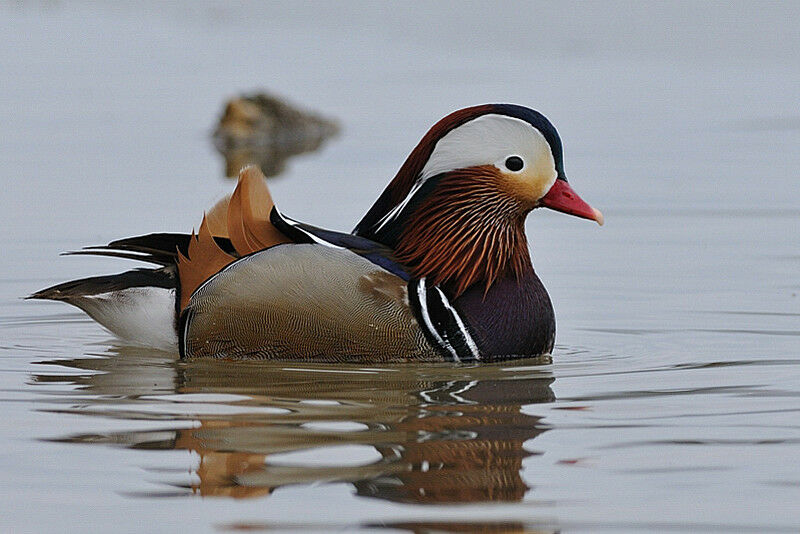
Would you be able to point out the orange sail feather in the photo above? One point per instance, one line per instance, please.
(204, 260)
(244, 218)
(248, 214)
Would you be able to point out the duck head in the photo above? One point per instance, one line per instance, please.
(455, 211)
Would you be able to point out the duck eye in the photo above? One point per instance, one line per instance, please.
(514, 163)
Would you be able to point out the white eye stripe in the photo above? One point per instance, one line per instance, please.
(486, 139)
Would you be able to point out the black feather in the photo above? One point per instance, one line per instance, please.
(96, 285)
(160, 248)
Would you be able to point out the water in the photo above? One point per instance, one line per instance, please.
(672, 402)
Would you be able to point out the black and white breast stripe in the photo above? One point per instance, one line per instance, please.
(441, 323)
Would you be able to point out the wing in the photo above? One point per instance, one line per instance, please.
(244, 218)
(376, 253)
(304, 301)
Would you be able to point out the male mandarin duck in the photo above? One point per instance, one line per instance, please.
(437, 270)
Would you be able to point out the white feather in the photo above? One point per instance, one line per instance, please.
(423, 305)
(486, 140)
(142, 316)
(473, 348)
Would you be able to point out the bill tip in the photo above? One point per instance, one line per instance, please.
(598, 216)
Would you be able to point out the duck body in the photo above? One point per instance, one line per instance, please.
(437, 270)
(328, 296)
(334, 306)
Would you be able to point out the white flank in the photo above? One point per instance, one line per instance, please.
(142, 316)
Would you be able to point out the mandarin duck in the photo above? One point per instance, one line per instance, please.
(437, 270)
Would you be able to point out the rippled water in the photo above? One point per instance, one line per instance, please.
(672, 401)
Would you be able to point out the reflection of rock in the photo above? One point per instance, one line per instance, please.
(444, 434)
(264, 130)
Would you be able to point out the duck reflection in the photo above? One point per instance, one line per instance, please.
(437, 434)
(464, 451)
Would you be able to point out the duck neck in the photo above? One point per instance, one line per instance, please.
(467, 233)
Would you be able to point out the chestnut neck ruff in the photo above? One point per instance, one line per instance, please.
(467, 230)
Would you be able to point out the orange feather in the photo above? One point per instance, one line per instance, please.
(204, 260)
(244, 218)
(217, 217)
(248, 214)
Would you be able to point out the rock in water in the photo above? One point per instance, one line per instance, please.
(264, 130)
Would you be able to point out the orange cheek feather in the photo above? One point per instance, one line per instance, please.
(526, 188)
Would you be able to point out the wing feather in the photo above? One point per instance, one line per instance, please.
(245, 218)
(304, 301)
(248, 220)
(204, 259)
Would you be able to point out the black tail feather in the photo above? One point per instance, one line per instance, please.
(95, 285)
(160, 248)
(163, 260)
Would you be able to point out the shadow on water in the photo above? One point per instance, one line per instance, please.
(415, 434)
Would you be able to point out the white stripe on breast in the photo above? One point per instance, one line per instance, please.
(423, 305)
(473, 348)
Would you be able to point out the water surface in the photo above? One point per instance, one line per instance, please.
(672, 401)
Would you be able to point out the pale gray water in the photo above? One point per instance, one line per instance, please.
(673, 399)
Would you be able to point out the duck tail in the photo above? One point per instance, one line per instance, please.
(137, 306)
